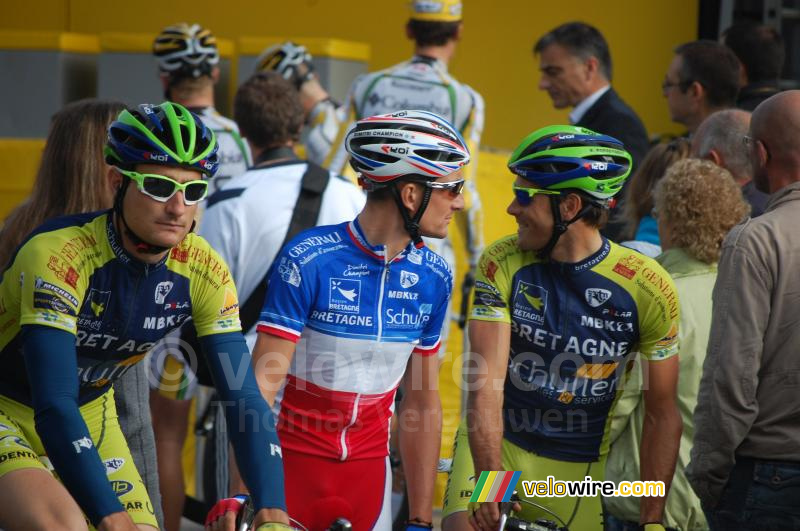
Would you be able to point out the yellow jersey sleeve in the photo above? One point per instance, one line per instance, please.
(493, 280)
(215, 303)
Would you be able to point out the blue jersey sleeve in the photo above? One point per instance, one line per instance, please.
(251, 424)
(52, 366)
(429, 341)
(290, 292)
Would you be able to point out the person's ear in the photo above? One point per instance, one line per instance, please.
(410, 195)
(696, 91)
(592, 66)
(215, 74)
(570, 206)
(714, 156)
(459, 29)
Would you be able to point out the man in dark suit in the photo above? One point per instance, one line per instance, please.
(575, 65)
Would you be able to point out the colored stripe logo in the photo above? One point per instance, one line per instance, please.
(495, 486)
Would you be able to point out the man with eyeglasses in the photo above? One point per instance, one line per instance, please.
(246, 222)
(83, 300)
(354, 311)
(744, 462)
(558, 311)
(702, 78)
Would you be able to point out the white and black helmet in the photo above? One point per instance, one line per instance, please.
(407, 145)
(185, 50)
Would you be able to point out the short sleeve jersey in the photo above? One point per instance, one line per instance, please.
(357, 317)
(573, 328)
(73, 274)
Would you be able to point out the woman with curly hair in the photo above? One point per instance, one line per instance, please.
(696, 204)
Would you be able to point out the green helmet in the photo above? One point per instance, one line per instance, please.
(167, 134)
(566, 157)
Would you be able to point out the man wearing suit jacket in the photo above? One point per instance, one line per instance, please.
(575, 65)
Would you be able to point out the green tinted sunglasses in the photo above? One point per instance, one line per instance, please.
(525, 195)
(162, 188)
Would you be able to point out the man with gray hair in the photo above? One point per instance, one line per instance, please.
(719, 139)
(744, 463)
(575, 65)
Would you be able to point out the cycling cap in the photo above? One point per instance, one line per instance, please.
(185, 50)
(166, 134)
(409, 145)
(562, 157)
(287, 59)
(436, 10)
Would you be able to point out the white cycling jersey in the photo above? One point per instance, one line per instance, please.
(246, 221)
(234, 153)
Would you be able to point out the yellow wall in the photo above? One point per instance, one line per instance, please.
(494, 56)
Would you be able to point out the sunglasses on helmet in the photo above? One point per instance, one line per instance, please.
(162, 188)
(525, 195)
(454, 187)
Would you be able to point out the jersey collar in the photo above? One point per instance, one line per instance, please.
(122, 255)
(587, 263)
(378, 252)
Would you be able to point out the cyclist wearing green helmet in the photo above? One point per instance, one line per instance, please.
(557, 312)
(83, 300)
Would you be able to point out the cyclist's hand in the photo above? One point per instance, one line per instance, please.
(222, 516)
(120, 521)
(652, 526)
(484, 516)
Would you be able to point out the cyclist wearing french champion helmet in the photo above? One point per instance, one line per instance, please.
(83, 299)
(556, 313)
(352, 312)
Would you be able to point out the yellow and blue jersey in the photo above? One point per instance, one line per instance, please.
(573, 328)
(72, 274)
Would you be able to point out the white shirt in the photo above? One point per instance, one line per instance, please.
(581, 108)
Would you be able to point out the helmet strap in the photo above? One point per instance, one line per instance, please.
(560, 226)
(412, 222)
(141, 244)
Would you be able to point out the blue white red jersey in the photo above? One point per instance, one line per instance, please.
(357, 316)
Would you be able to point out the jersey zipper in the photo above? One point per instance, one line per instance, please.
(384, 277)
(353, 419)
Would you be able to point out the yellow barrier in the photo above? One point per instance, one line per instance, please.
(23, 156)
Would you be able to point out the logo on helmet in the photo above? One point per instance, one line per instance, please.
(601, 166)
(392, 149)
(563, 137)
(159, 157)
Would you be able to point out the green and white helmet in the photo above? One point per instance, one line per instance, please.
(566, 157)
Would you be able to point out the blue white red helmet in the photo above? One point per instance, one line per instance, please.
(407, 145)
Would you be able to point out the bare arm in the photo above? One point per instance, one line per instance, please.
(272, 357)
(661, 433)
(490, 345)
(420, 432)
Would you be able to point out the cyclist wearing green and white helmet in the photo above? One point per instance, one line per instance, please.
(83, 300)
(557, 312)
